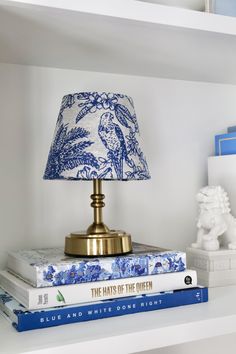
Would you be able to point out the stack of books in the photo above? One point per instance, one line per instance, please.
(44, 288)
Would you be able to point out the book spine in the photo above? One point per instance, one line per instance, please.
(105, 268)
(39, 298)
(105, 309)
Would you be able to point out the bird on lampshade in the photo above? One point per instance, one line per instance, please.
(97, 138)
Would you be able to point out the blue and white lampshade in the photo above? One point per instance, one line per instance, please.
(96, 137)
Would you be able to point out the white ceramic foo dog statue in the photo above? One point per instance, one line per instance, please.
(215, 220)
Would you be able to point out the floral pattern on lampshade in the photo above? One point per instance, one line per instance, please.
(96, 137)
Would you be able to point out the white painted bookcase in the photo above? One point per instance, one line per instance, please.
(179, 66)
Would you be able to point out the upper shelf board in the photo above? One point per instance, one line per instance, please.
(119, 36)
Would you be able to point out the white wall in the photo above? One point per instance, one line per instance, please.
(178, 121)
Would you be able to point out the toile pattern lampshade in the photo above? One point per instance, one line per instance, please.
(96, 137)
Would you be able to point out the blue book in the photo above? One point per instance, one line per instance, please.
(50, 267)
(225, 144)
(231, 129)
(24, 320)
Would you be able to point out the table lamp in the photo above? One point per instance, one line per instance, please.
(97, 138)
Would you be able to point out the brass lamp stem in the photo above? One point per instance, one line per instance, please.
(97, 202)
(98, 240)
(97, 227)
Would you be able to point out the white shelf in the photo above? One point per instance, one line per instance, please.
(119, 36)
(131, 333)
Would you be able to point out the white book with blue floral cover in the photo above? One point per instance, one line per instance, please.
(51, 267)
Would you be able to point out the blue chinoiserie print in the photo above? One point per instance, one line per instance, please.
(5, 297)
(96, 137)
(53, 268)
(120, 267)
(68, 151)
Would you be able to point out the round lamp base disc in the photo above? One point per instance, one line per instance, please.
(107, 244)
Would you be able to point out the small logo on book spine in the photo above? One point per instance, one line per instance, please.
(60, 297)
(188, 280)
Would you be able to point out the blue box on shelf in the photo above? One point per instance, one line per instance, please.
(225, 144)
(231, 129)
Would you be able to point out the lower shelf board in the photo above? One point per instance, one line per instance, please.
(131, 333)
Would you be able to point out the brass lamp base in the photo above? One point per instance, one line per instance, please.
(98, 240)
(107, 244)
